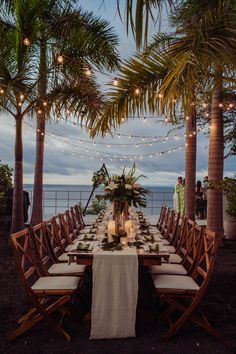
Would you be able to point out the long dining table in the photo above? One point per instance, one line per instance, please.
(115, 279)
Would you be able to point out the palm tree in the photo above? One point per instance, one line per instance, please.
(85, 40)
(203, 48)
(19, 83)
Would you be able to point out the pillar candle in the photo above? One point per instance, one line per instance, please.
(111, 230)
(128, 225)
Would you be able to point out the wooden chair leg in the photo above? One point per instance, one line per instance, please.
(27, 322)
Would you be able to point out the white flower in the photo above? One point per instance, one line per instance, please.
(136, 186)
(111, 186)
(128, 186)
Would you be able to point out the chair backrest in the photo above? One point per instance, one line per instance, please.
(162, 214)
(43, 249)
(193, 244)
(60, 231)
(75, 221)
(206, 259)
(162, 228)
(25, 261)
(53, 239)
(172, 227)
(65, 229)
(79, 215)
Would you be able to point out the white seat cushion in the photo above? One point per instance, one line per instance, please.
(170, 249)
(63, 257)
(165, 242)
(180, 282)
(65, 268)
(72, 246)
(168, 268)
(56, 283)
(175, 258)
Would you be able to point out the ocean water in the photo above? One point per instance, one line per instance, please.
(57, 198)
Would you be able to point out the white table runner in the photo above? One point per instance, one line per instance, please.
(115, 294)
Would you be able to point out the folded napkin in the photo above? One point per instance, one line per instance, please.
(115, 294)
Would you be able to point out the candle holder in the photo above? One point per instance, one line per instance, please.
(120, 215)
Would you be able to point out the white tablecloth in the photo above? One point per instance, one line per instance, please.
(115, 294)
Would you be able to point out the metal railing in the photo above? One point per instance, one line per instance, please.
(56, 201)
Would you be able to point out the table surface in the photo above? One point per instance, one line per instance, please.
(144, 258)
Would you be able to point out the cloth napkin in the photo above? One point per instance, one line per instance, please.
(115, 294)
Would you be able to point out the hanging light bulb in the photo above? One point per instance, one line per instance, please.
(1, 91)
(115, 82)
(87, 72)
(39, 111)
(60, 59)
(44, 103)
(22, 96)
(26, 41)
(20, 104)
(144, 119)
(137, 91)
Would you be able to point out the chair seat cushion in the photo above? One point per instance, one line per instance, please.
(165, 242)
(63, 257)
(56, 283)
(72, 246)
(170, 249)
(65, 268)
(168, 268)
(175, 282)
(175, 258)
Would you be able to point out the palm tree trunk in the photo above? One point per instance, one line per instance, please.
(190, 165)
(216, 162)
(17, 222)
(37, 209)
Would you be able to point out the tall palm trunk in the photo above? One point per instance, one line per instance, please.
(190, 165)
(37, 209)
(17, 223)
(216, 162)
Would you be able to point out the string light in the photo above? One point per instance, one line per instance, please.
(26, 41)
(115, 82)
(87, 72)
(60, 59)
(1, 91)
(137, 91)
(22, 97)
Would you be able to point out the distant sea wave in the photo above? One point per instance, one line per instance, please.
(59, 197)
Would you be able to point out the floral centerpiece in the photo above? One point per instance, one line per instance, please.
(123, 191)
(124, 188)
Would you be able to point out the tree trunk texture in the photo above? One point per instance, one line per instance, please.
(216, 162)
(37, 209)
(17, 222)
(190, 165)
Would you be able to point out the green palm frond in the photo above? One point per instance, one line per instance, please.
(139, 13)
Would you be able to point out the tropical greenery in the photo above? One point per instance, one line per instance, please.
(123, 188)
(34, 83)
(5, 186)
(228, 186)
(174, 72)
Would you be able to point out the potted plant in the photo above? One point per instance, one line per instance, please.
(228, 186)
(5, 187)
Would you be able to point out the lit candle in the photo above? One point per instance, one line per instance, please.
(128, 226)
(111, 229)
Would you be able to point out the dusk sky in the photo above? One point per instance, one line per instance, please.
(71, 159)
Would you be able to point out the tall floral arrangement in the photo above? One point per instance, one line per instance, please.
(125, 187)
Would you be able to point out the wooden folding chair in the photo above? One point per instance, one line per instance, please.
(75, 222)
(79, 216)
(190, 251)
(163, 227)
(46, 258)
(161, 216)
(48, 294)
(59, 251)
(60, 229)
(183, 294)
